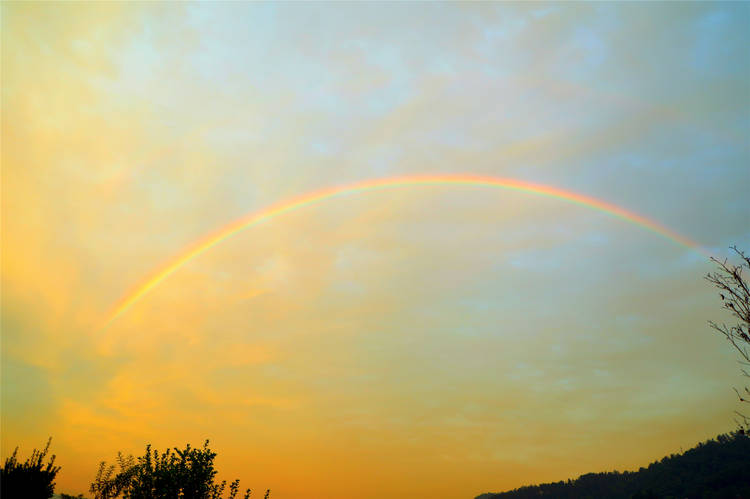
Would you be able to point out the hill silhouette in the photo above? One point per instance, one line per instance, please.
(717, 468)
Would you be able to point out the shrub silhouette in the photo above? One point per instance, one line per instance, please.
(30, 480)
(175, 473)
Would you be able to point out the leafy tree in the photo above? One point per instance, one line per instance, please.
(32, 479)
(734, 291)
(175, 473)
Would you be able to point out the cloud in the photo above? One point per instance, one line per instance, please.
(438, 330)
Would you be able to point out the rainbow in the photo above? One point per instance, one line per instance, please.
(218, 236)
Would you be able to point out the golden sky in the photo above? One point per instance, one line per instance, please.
(437, 341)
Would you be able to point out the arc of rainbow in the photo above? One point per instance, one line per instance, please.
(216, 237)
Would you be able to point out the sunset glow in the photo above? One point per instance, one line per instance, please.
(370, 250)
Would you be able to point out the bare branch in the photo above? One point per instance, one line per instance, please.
(734, 292)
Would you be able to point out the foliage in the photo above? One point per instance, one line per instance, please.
(32, 479)
(183, 474)
(715, 469)
(734, 292)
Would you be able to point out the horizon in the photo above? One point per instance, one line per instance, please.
(406, 249)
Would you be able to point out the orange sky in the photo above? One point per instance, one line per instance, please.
(414, 342)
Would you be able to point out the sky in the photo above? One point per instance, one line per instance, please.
(437, 340)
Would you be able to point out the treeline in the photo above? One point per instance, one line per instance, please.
(174, 473)
(716, 469)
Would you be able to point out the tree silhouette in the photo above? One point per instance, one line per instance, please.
(734, 292)
(32, 479)
(175, 473)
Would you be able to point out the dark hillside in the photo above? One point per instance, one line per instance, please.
(714, 469)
